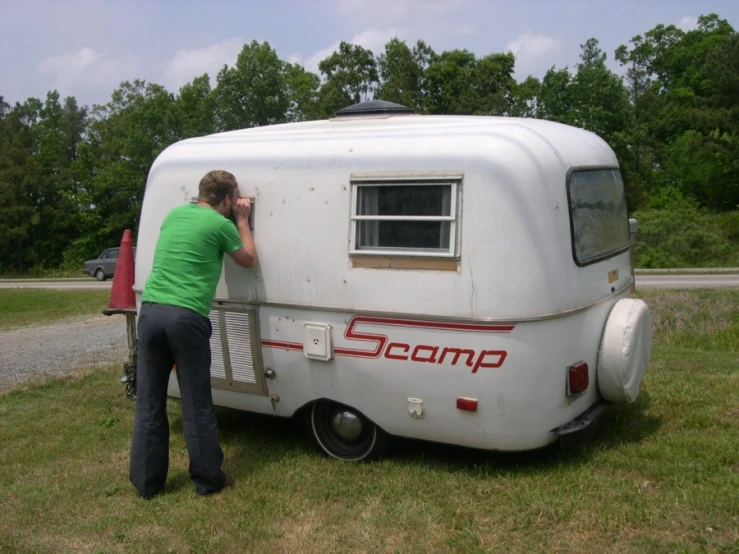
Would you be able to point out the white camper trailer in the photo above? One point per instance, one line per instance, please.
(463, 280)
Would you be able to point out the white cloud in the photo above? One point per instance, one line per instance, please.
(399, 10)
(188, 64)
(311, 64)
(86, 68)
(534, 53)
(464, 30)
(688, 23)
(371, 39)
(376, 39)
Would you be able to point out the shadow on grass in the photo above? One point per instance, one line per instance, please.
(255, 439)
(618, 425)
(176, 480)
(251, 439)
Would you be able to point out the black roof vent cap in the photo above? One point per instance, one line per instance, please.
(374, 107)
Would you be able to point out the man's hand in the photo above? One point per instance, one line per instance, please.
(246, 256)
(242, 209)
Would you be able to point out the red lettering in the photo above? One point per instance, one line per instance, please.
(417, 351)
(404, 347)
(457, 353)
(501, 354)
(352, 334)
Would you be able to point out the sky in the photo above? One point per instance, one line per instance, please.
(86, 48)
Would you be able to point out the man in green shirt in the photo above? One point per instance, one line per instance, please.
(174, 329)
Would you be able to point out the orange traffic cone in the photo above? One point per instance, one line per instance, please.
(122, 296)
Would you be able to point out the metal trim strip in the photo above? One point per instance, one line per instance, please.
(489, 319)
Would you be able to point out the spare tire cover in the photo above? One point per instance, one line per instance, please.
(625, 350)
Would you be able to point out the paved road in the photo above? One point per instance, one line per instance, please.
(54, 284)
(642, 282)
(687, 281)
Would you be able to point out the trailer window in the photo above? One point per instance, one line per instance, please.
(407, 218)
(598, 217)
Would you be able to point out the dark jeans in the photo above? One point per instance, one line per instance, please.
(171, 335)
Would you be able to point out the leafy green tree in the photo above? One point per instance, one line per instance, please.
(423, 55)
(450, 83)
(704, 167)
(638, 71)
(675, 231)
(254, 92)
(639, 156)
(197, 105)
(525, 98)
(58, 134)
(457, 82)
(555, 101)
(38, 144)
(17, 181)
(721, 72)
(682, 90)
(125, 137)
(402, 73)
(494, 84)
(302, 91)
(599, 98)
(350, 76)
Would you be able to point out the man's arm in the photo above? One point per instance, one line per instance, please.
(246, 256)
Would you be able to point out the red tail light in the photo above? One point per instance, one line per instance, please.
(468, 404)
(577, 378)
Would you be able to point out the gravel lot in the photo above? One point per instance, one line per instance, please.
(62, 348)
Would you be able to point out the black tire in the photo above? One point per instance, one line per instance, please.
(362, 439)
(100, 274)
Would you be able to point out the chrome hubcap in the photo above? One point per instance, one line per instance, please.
(346, 424)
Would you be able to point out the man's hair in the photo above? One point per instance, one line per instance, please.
(215, 186)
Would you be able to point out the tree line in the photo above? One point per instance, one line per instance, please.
(72, 177)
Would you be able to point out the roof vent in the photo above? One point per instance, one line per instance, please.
(374, 107)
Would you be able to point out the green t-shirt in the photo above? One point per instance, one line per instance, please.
(189, 257)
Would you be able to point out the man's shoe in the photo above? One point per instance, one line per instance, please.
(227, 483)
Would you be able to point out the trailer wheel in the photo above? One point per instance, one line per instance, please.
(345, 434)
(100, 274)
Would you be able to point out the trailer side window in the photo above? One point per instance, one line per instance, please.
(405, 218)
(598, 217)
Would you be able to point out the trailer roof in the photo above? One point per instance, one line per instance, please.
(430, 123)
(421, 133)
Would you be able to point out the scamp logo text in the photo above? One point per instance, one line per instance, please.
(380, 346)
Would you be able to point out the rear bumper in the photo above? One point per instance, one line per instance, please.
(581, 427)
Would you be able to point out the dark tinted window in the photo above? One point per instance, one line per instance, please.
(600, 225)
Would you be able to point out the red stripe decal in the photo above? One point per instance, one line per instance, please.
(281, 344)
(442, 325)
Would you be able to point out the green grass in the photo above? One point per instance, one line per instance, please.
(57, 273)
(661, 475)
(20, 307)
(701, 319)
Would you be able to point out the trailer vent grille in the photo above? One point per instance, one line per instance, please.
(217, 365)
(236, 361)
(239, 347)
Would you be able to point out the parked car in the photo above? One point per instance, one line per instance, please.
(104, 265)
